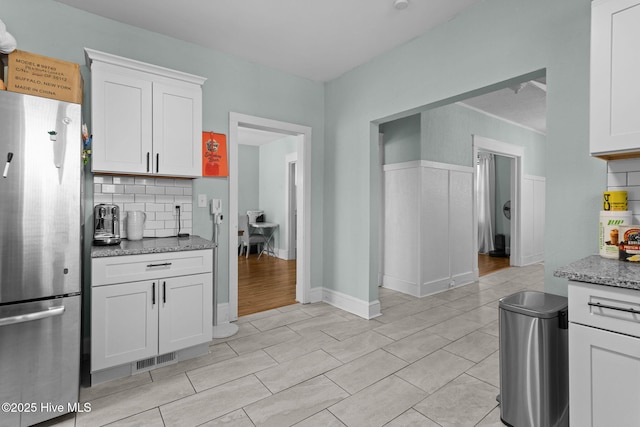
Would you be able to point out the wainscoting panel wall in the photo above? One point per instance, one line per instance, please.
(533, 205)
(428, 226)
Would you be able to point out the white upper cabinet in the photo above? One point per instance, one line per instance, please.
(147, 120)
(615, 88)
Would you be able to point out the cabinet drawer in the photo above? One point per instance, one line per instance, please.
(131, 268)
(605, 307)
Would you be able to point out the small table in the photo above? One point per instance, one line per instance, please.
(266, 229)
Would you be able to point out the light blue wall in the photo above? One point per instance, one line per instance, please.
(493, 41)
(447, 130)
(53, 29)
(273, 177)
(248, 178)
(401, 139)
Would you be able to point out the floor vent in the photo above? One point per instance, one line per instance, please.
(146, 364)
(166, 358)
(154, 362)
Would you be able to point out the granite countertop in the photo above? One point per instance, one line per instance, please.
(602, 271)
(152, 245)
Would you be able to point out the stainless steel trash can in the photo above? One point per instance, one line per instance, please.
(534, 360)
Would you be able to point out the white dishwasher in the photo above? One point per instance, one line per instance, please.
(604, 355)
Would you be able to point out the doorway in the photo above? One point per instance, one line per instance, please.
(509, 158)
(302, 202)
(493, 195)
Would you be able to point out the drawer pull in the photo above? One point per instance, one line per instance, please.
(164, 264)
(153, 294)
(611, 307)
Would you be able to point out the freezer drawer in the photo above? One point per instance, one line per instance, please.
(39, 359)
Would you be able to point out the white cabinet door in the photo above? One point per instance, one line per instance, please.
(121, 116)
(177, 129)
(615, 67)
(186, 316)
(604, 378)
(124, 323)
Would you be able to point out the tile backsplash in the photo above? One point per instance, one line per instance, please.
(625, 175)
(157, 197)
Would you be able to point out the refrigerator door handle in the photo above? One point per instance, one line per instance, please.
(21, 318)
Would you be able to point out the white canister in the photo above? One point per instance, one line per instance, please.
(610, 222)
(135, 224)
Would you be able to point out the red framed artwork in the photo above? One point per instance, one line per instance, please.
(214, 154)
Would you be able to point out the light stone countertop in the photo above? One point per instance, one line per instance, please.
(152, 245)
(602, 271)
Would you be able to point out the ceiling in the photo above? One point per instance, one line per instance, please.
(315, 39)
(524, 104)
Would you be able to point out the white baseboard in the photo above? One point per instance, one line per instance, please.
(366, 310)
(316, 295)
(532, 259)
(395, 284)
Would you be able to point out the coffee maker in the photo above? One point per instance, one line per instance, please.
(106, 224)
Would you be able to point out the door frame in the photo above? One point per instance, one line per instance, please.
(303, 260)
(291, 186)
(516, 153)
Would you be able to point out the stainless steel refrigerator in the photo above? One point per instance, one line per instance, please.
(40, 258)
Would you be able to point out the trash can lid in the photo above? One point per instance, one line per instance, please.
(534, 303)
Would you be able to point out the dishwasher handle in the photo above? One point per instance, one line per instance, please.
(612, 307)
(29, 317)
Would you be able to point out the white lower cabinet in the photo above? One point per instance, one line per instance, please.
(136, 320)
(604, 356)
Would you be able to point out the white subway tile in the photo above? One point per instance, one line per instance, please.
(165, 216)
(108, 188)
(175, 191)
(183, 199)
(618, 179)
(184, 183)
(97, 188)
(187, 207)
(134, 206)
(633, 193)
(152, 189)
(102, 179)
(124, 198)
(167, 182)
(153, 207)
(102, 198)
(145, 198)
(153, 225)
(162, 198)
(633, 178)
(170, 224)
(625, 165)
(135, 189)
(144, 181)
(150, 233)
(187, 224)
(186, 215)
(123, 180)
(170, 207)
(188, 191)
(151, 216)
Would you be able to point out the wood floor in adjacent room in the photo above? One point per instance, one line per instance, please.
(265, 283)
(488, 264)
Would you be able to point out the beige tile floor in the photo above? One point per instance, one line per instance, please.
(425, 362)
